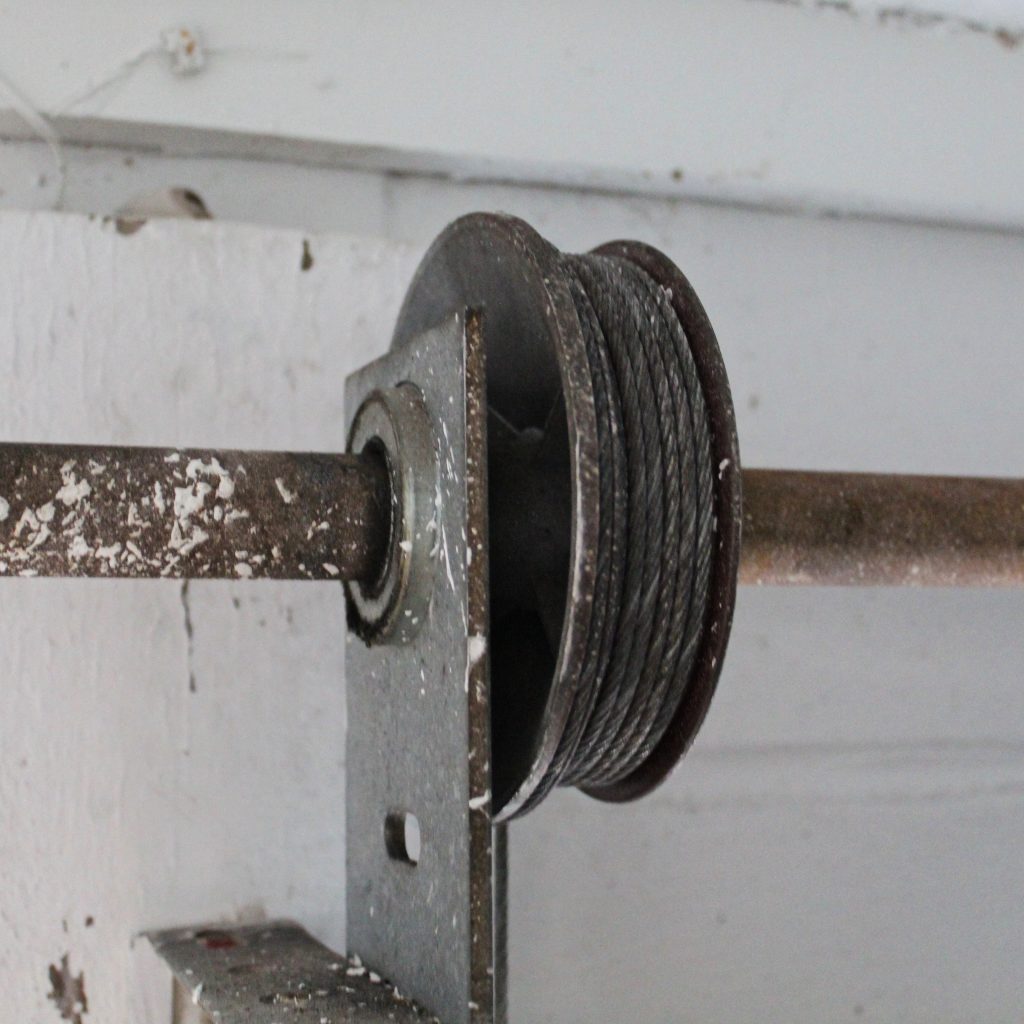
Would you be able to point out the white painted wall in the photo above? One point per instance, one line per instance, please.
(870, 106)
(844, 841)
(127, 797)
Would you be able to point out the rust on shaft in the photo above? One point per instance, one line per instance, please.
(843, 529)
(77, 510)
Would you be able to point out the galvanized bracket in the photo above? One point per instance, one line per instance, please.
(419, 719)
(425, 866)
(271, 973)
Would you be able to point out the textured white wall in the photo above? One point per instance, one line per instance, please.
(911, 109)
(844, 841)
(171, 755)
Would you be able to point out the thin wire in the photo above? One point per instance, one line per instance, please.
(44, 129)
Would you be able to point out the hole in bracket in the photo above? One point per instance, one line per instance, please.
(402, 836)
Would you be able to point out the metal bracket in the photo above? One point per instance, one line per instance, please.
(419, 720)
(270, 973)
(425, 866)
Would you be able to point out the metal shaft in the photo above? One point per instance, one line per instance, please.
(843, 529)
(76, 510)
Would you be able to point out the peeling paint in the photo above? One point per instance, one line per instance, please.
(909, 16)
(147, 512)
(67, 991)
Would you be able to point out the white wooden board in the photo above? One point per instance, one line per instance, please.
(910, 110)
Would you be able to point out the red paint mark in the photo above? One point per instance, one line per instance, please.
(213, 939)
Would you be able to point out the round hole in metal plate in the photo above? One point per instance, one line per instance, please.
(402, 836)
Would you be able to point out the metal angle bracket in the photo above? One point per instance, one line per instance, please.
(272, 973)
(425, 865)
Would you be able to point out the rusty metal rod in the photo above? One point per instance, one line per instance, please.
(79, 510)
(843, 529)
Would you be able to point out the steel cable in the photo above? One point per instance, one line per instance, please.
(656, 525)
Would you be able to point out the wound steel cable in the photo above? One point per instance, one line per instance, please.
(656, 524)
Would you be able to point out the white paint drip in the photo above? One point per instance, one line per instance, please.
(184, 545)
(476, 648)
(74, 490)
(78, 548)
(28, 519)
(110, 553)
(5, 509)
(188, 501)
(39, 539)
(442, 545)
(225, 485)
(286, 496)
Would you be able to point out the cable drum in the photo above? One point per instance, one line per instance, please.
(614, 504)
(656, 525)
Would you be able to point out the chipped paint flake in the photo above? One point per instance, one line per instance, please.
(73, 489)
(188, 501)
(78, 548)
(110, 552)
(476, 648)
(27, 521)
(67, 991)
(212, 469)
(286, 496)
